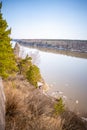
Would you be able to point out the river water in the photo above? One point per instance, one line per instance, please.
(65, 75)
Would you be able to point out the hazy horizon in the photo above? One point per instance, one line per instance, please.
(48, 39)
(46, 19)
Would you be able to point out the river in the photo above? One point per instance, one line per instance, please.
(65, 75)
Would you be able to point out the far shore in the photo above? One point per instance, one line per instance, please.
(78, 48)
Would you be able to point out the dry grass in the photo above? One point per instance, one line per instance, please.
(28, 109)
(13, 102)
(70, 121)
(14, 106)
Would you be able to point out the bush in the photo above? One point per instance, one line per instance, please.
(24, 65)
(33, 75)
(59, 106)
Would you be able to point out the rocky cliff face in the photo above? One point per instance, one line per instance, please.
(2, 107)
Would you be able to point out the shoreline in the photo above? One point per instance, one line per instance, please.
(56, 50)
(46, 91)
(66, 45)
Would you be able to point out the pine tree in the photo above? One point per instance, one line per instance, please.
(33, 75)
(59, 106)
(7, 58)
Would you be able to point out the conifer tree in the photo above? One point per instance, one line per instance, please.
(33, 75)
(7, 58)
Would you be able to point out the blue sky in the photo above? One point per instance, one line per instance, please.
(49, 19)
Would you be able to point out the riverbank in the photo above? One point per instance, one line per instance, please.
(67, 45)
(61, 73)
(74, 48)
(28, 108)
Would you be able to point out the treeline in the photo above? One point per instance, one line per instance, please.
(68, 45)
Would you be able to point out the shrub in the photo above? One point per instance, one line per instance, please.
(24, 65)
(59, 106)
(33, 75)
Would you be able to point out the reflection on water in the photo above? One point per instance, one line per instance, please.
(65, 52)
(66, 76)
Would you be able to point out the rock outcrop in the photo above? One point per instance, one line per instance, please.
(2, 106)
(17, 49)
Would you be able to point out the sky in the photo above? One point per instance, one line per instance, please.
(46, 19)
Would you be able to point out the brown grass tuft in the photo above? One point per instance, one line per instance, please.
(13, 102)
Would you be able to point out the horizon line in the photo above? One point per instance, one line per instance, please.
(48, 39)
